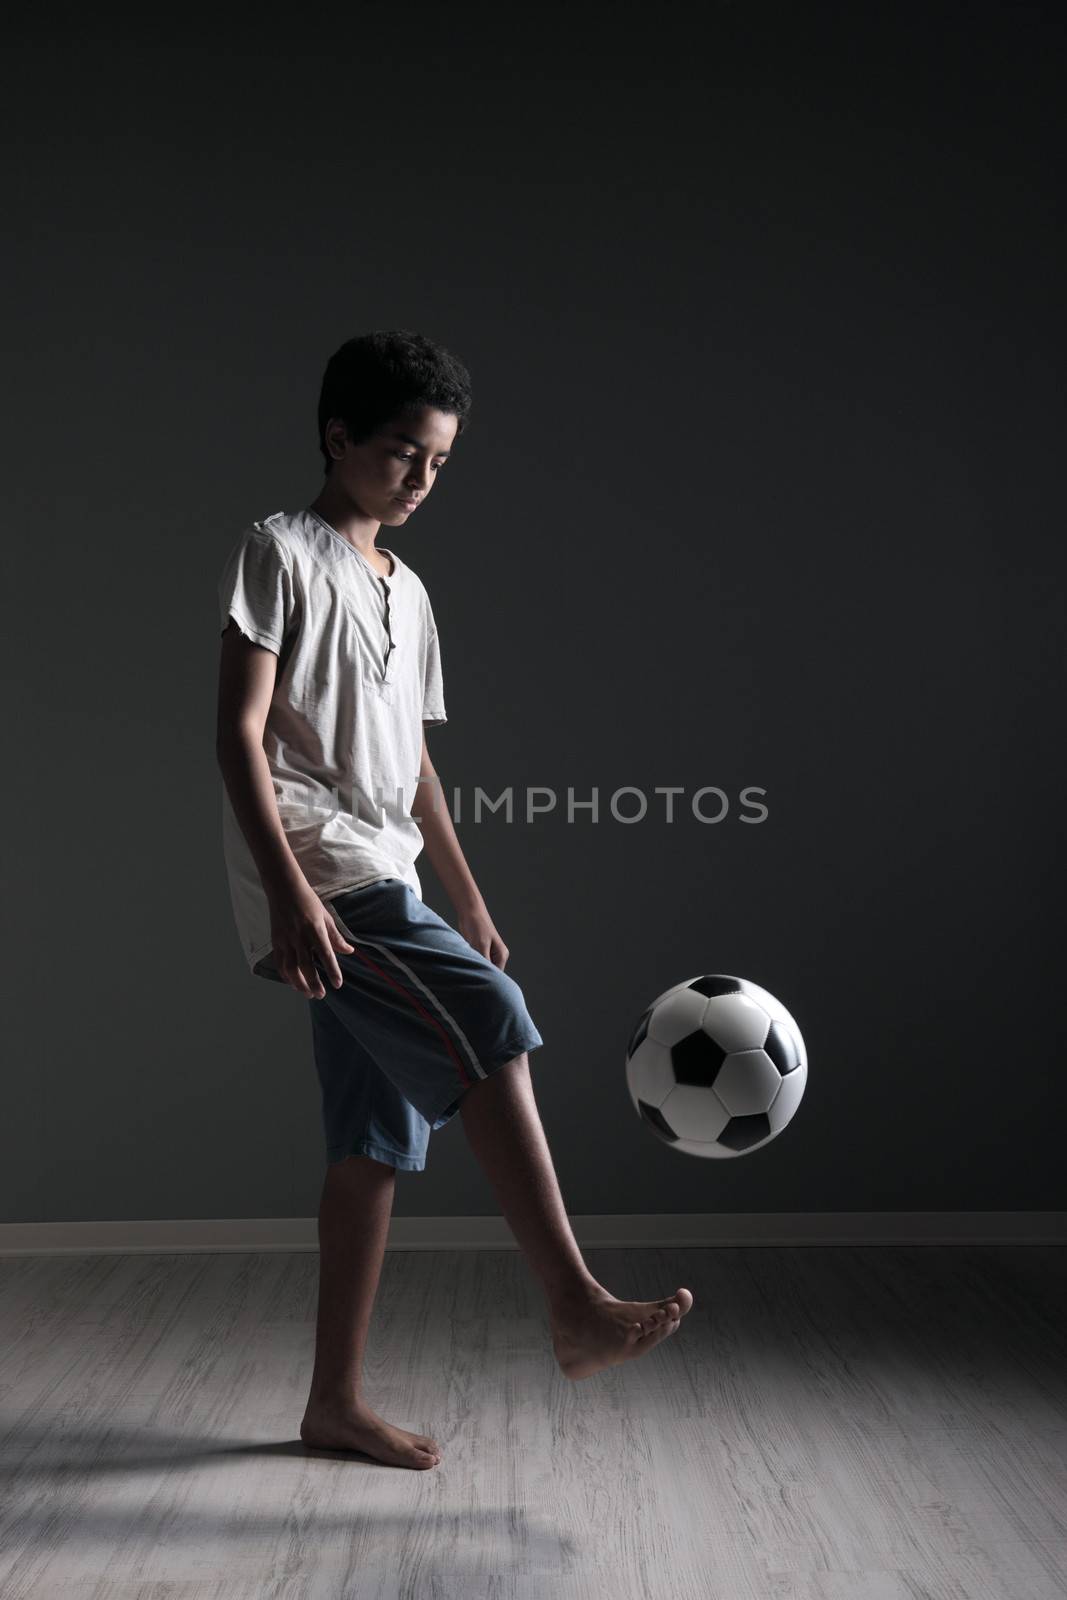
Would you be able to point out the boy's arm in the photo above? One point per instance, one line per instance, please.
(246, 682)
(431, 813)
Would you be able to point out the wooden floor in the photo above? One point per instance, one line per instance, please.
(828, 1424)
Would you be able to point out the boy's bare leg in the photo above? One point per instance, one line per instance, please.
(357, 1200)
(590, 1328)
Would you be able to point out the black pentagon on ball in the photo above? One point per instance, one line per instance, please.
(654, 1115)
(714, 983)
(639, 1032)
(741, 1133)
(781, 1047)
(696, 1060)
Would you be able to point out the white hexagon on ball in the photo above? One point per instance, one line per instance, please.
(777, 1012)
(747, 1083)
(736, 1021)
(787, 1099)
(694, 1113)
(650, 1074)
(677, 1016)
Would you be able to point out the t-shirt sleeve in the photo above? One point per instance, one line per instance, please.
(433, 690)
(256, 589)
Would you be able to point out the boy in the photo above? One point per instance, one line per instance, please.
(330, 672)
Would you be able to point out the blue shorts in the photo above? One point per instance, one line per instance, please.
(420, 1016)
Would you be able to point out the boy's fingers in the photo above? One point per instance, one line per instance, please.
(329, 961)
(293, 974)
(316, 991)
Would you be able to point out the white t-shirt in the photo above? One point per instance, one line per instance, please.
(359, 674)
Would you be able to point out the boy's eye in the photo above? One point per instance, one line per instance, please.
(410, 457)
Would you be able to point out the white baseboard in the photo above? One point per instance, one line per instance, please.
(611, 1232)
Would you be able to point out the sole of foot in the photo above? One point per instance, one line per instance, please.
(324, 1428)
(600, 1331)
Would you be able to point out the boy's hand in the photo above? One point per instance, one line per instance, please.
(476, 926)
(303, 932)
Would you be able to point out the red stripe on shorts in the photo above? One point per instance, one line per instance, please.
(421, 1009)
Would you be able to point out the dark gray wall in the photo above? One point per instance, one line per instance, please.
(765, 317)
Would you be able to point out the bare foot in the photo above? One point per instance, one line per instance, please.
(599, 1331)
(359, 1428)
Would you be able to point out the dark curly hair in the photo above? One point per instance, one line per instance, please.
(373, 378)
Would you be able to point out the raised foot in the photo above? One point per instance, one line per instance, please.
(352, 1428)
(599, 1331)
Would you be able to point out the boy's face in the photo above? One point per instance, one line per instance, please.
(396, 465)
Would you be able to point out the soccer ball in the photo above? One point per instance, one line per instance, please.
(716, 1066)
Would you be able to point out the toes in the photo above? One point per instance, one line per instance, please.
(653, 1335)
(656, 1328)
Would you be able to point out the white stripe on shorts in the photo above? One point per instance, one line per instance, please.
(391, 955)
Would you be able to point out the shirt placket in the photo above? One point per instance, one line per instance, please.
(390, 645)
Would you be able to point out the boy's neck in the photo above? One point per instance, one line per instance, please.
(359, 531)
